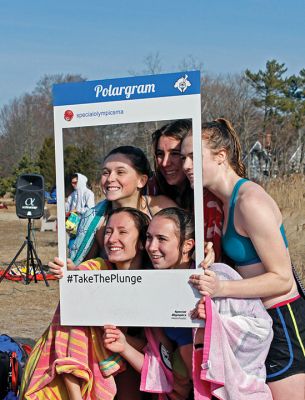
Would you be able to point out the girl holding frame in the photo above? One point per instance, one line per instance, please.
(254, 238)
(169, 244)
(70, 362)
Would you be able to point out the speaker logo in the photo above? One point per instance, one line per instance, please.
(68, 115)
(29, 204)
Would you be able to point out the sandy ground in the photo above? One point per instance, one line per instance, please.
(26, 310)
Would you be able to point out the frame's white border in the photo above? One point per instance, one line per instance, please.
(139, 110)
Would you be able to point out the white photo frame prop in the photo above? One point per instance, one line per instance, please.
(142, 297)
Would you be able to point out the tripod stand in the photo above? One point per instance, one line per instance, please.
(31, 258)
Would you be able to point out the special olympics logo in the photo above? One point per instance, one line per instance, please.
(68, 115)
(182, 84)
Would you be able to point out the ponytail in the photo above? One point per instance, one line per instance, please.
(220, 134)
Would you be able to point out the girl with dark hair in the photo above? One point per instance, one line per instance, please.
(254, 239)
(170, 179)
(170, 244)
(71, 362)
(125, 173)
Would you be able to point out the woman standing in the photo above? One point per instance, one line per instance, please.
(254, 238)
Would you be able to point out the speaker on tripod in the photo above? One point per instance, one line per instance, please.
(30, 196)
(29, 205)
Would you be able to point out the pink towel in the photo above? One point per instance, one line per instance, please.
(231, 364)
(157, 375)
(237, 337)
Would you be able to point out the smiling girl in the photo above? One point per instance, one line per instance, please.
(169, 244)
(171, 181)
(125, 173)
(71, 362)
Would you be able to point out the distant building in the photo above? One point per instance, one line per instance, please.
(297, 160)
(258, 162)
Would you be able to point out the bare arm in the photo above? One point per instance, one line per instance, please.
(260, 224)
(115, 340)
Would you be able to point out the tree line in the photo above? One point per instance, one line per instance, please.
(266, 106)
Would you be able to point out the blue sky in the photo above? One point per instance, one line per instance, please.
(100, 39)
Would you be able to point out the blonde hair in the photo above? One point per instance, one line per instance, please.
(220, 134)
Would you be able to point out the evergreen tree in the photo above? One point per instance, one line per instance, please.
(269, 86)
(294, 107)
(46, 163)
(70, 164)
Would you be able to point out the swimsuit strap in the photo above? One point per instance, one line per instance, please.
(233, 200)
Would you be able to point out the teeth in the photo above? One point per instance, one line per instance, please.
(115, 248)
(112, 189)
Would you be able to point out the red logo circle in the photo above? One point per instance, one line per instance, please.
(68, 116)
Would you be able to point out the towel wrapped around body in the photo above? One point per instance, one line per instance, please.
(231, 363)
(71, 350)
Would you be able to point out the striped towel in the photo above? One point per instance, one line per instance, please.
(72, 350)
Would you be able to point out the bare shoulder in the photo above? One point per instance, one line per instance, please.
(157, 203)
(255, 202)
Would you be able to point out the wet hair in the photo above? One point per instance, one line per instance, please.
(141, 221)
(178, 130)
(137, 157)
(184, 222)
(220, 134)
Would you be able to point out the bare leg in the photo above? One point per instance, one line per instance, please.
(199, 336)
(292, 387)
(73, 387)
(186, 353)
(128, 385)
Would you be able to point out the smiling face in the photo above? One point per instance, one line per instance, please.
(120, 180)
(162, 243)
(168, 160)
(121, 240)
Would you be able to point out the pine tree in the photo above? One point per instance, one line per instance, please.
(269, 86)
(46, 163)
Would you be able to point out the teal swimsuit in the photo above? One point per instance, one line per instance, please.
(286, 355)
(238, 247)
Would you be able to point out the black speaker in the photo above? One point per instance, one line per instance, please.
(30, 196)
